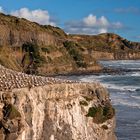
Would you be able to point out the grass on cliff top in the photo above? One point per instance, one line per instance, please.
(109, 42)
(26, 25)
(55, 31)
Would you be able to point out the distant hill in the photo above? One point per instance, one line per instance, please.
(107, 42)
(32, 48)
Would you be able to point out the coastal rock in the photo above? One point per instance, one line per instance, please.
(54, 109)
(100, 55)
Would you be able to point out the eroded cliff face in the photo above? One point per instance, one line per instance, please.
(58, 112)
(109, 46)
(45, 108)
(32, 48)
(15, 32)
(46, 50)
(116, 56)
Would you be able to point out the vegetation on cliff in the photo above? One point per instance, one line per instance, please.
(33, 48)
(107, 42)
(73, 50)
(101, 113)
(32, 58)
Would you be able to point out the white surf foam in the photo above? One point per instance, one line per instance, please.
(108, 85)
(124, 102)
(135, 74)
(121, 88)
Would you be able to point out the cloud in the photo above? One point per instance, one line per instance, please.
(88, 25)
(133, 10)
(92, 25)
(92, 20)
(39, 16)
(1, 10)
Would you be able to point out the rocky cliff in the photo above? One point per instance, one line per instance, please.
(36, 49)
(109, 46)
(45, 108)
(115, 55)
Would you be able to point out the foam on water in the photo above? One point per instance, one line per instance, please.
(110, 85)
(125, 103)
(125, 95)
(136, 74)
(121, 88)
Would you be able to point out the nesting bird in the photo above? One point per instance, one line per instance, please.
(10, 79)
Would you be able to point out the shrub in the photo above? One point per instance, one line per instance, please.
(101, 114)
(35, 60)
(72, 49)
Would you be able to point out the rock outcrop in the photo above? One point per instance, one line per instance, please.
(116, 55)
(45, 108)
(45, 50)
(38, 48)
(109, 46)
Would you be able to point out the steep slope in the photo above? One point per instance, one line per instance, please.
(45, 108)
(39, 49)
(36, 49)
(108, 46)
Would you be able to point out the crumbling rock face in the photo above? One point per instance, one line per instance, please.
(15, 32)
(54, 109)
(59, 112)
(99, 55)
(10, 119)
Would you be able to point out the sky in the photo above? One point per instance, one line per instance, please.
(81, 16)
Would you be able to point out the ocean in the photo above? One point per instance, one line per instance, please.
(124, 91)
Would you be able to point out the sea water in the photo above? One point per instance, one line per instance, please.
(124, 90)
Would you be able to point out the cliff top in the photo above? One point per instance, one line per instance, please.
(10, 79)
(19, 23)
(46, 50)
(13, 22)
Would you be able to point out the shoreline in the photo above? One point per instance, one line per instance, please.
(109, 71)
(104, 70)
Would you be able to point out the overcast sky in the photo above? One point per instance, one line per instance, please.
(81, 16)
